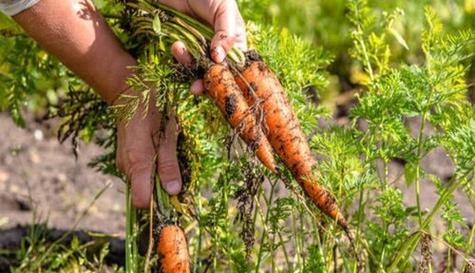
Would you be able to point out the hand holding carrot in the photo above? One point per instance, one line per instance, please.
(224, 17)
(280, 128)
(145, 146)
(76, 33)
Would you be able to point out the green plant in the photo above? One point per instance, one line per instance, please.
(45, 249)
(411, 99)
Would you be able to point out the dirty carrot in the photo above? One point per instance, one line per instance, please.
(257, 81)
(222, 88)
(173, 250)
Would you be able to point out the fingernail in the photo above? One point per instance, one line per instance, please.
(173, 187)
(219, 54)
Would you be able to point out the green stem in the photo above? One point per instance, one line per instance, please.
(264, 232)
(449, 260)
(302, 233)
(366, 56)
(279, 234)
(468, 248)
(286, 255)
(298, 248)
(130, 243)
(193, 30)
(411, 243)
(193, 46)
(360, 213)
(199, 208)
(417, 178)
(204, 29)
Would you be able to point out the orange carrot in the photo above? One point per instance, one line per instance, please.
(221, 87)
(173, 250)
(257, 81)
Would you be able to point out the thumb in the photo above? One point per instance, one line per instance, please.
(168, 168)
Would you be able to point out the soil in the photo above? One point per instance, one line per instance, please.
(41, 179)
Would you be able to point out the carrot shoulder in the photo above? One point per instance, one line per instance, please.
(222, 88)
(257, 81)
(173, 250)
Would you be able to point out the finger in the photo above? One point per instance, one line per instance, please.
(229, 29)
(168, 168)
(220, 46)
(180, 53)
(135, 158)
(139, 166)
(241, 37)
(197, 88)
(140, 179)
(178, 5)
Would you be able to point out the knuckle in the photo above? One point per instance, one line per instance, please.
(168, 167)
(137, 167)
(133, 162)
(137, 158)
(140, 202)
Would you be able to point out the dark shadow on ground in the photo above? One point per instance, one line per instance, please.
(11, 239)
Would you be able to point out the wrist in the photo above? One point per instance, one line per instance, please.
(116, 83)
(118, 98)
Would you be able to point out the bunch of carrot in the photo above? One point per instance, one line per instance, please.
(237, 94)
(256, 83)
(252, 86)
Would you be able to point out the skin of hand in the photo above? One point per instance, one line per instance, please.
(226, 20)
(78, 36)
(139, 141)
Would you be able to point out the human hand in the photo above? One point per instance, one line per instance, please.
(228, 25)
(76, 34)
(140, 141)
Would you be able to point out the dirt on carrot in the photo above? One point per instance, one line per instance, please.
(259, 83)
(222, 88)
(173, 250)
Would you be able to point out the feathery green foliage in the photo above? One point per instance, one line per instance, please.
(409, 68)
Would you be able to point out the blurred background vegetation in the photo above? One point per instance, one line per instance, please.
(325, 24)
(28, 72)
